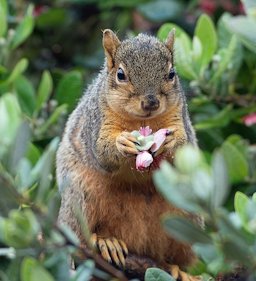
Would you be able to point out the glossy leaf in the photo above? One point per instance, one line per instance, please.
(240, 203)
(19, 146)
(167, 27)
(219, 120)
(44, 91)
(69, 89)
(52, 119)
(26, 94)
(156, 274)
(184, 230)
(221, 180)
(224, 34)
(33, 154)
(24, 29)
(10, 198)
(183, 58)
(10, 116)
(161, 10)
(19, 68)
(226, 56)
(250, 7)
(52, 18)
(188, 159)
(244, 28)
(205, 32)
(43, 170)
(236, 163)
(168, 183)
(3, 17)
(31, 270)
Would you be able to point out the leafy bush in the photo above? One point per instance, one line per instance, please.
(217, 67)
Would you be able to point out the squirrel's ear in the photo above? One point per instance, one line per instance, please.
(170, 40)
(110, 44)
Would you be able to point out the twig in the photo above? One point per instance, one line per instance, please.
(97, 258)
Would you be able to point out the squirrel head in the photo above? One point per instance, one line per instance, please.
(142, 82)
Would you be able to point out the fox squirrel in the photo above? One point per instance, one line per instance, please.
(138, 86)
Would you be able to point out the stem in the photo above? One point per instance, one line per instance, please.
(97, 258)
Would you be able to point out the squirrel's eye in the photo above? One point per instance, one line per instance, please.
(120, 74)
(171, 74)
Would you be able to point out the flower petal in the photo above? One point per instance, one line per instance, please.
(136, 134)
(145, 131)
(143, 160)
(250, 119)
(159, 138)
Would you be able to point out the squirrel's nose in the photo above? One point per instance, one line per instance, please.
(151, 104)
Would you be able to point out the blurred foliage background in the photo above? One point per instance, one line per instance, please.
(51, 50)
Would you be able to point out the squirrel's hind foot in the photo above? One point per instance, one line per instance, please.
(180, 275)
(111, 249)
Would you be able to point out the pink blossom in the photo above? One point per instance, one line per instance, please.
(250, 119)
(159, 138)
(145, 131)
(39, 9)
(143, 160)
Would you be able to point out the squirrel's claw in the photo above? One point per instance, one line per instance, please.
(104, 250)
(125, 143)
(178, 274)
(112, 250)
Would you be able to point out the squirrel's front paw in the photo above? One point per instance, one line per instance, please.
(173, 141)
(112, 250)
(125, 144)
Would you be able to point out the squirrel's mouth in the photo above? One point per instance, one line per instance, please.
(144, 116)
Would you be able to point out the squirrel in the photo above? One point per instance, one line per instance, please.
(138, 86)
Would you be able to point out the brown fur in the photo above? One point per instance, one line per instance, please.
(93, 174)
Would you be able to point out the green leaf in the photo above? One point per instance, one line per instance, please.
(161, 10)
(70, 234)
(206, 33)
(226, 56)
(24, 29)
(236, 162)
(53, 17)
(22, 177)
(197, 53)
(168, 183)
(224, 34)
(3, 17)
(19, 68)
(52, 119)
(33, 154)
(250, 7)
(70, 89)
(219, 120)
(84, 271)
(184, 230)
(220, 178)
(156, 274)
(202, 186)
(26, 94)
(240, 202)
(43, 170)
(19, 146)
(31, 270)
(244, 28)
(10, 198)
(10, 116)
(207, 252)
(167, 27)
(188, 159)
(44, 91)
(183, 58)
